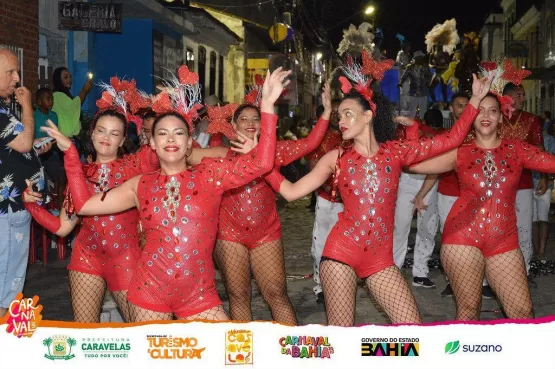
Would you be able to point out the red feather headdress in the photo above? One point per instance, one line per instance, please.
(505, 72)
(220, 118)
(180, 94)
(363, 75)
(123, 97)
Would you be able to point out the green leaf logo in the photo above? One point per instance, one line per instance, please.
(452, 347)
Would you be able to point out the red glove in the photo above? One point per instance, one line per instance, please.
(43, 217)
(413, 132)
(76, 179)
(289, 151)
(274, 179)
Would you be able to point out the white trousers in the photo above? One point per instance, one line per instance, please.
(409, 185)
(325, 218)
(542, 203)
(524, 206)
(444, 205)
(415, 102)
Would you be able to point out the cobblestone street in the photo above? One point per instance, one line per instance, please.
(51, 282)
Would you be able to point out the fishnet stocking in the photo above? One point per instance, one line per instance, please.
(339, 283)
(217, 313)
(120, 297)
(392, 292)
(139, 314)
(464, 266)
(268, 267)
(506, 274)
(87, 295)
(233, 261)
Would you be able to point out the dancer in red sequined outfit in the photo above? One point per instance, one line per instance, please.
(367, 177)
(249, 233)
(480, 233)
(106, 250)
(179, 208)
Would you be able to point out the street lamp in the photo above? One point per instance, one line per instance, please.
(370, 10)
(318, 56)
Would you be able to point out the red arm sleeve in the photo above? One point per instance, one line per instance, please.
(76, 179)
(143, 161)
(43, 217)
(412, 152)
(216, 139)
(228, 173)
(535, 135)
(291, 150)
(535, 159)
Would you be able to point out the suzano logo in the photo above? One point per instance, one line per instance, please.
(106, 348)
(59, 347)
(455, 346)
(452, 347)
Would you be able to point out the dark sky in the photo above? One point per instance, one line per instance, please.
(412, 18)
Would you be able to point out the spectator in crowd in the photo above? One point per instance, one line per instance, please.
(548, 123)
(66, 105)
(19, 162)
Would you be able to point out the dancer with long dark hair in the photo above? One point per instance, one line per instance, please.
(367, 177)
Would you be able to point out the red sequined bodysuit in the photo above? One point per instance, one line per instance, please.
(484, 215)
(363, 236)
(248, 214)
(179, 214)
(108, 245)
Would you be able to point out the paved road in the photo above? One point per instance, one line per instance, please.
(51, 283)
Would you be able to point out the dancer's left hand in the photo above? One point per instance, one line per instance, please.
(52, 130)
(405, 121)
(244, 144)
(419, 205)
(542, 186)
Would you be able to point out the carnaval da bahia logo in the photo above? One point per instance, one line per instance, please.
(168, 347)
(59, 347)
(390, 347)
(23, 316)
(106, 347)
(306, 347)
(238, 347)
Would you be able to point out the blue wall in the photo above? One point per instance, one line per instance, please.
(127, 55)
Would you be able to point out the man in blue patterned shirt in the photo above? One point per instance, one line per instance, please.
(18, 161)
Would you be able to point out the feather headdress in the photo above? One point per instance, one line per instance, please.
(363, 75)
(355, 40)
(123, 97)
(180, 94)
(504, 72)
(445, 35)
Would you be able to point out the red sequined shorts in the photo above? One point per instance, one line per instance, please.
(365, 263)
(117, 270)
(151, 289)
(489, 246)
(253, 237)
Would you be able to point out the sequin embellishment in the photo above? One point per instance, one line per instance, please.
(172, 198)
(490, 172)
